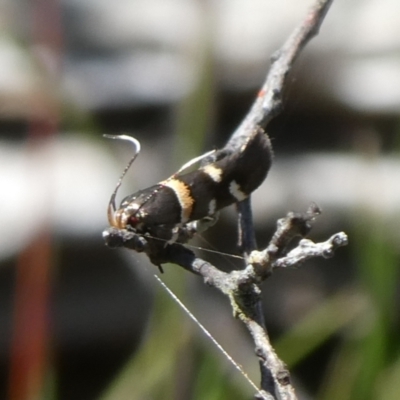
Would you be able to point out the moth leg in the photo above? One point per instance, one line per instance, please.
(182, 234)
(203, 224)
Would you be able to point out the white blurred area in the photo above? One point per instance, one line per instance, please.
(68, 183)
(62, 183)
(135, 52)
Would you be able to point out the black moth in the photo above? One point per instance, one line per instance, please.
(167, 208)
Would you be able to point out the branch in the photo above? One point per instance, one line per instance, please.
(275, 379)
(268, 102)
(274, 376)
(308, 249)
(269, 99)
(242, 287)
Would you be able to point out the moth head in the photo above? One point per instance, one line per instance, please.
(127, 216)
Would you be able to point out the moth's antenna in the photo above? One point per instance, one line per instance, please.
(193, 161)
(261, 393)
(111, 205)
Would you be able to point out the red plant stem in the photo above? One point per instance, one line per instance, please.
(31, 320)
(30, 336)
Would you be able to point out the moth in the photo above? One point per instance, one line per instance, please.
(175, 208)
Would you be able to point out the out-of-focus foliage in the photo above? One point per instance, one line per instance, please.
(180, 75)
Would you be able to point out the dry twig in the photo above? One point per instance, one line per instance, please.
(242, 287)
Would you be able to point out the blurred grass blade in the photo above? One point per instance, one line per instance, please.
(310, 333)
(378, 271)
(151, 372)
(341, 374)
(389, 384)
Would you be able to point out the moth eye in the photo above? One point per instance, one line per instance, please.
(133, 220)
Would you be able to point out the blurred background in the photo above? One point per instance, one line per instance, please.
(81, 321)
